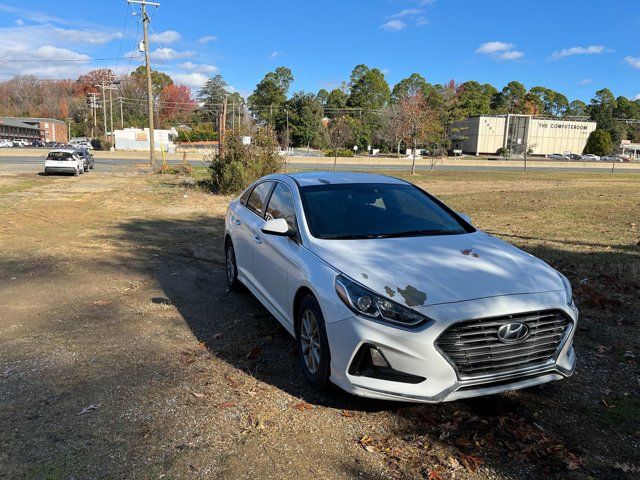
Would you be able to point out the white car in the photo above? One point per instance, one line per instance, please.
(590, 157)
(558, 156)
(390, 294)
(64, 160)
(5, 143)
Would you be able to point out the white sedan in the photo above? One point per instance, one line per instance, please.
(390, 294)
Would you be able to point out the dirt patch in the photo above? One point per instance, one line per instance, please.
(113, 303)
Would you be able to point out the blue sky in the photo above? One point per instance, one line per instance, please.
(575, 47)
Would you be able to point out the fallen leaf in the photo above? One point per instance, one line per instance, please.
(197, 395)
(88, 409)
(303, 406)
(471, 462)
(186, 357)
(202, 345)
(347, 413)
(466, 252)
(454, 463)
(254, 353)
(366, 442)
(434, 474)
(101, 302)
(226, 405)
(573, 462)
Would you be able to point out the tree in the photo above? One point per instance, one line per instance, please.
(599, 143)
(212, 95)
(475, 99)
(368, 89)
(322, 96)
(337, 99)
(339, 135)
(410, 86)
(176, 104)
(601, 108)
(91, 81)
(419, 123)
(511, 99)
(159, 80)
(577, 108)
(269, 97)
(305, 119)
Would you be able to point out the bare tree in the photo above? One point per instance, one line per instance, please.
(339, 134)
(418, 122)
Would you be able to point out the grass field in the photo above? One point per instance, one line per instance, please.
(112, 296)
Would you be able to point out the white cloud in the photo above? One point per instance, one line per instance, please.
(207, 39)
(85, 36)
(420, 21)
(586, 81)
(198, 67)
(393, 26)
(276, 54)
(637, 97)
(168, 36)
(568, 52)
(193, 80)
(500, 50)
(494, 47)
(166, 54)
(510, 55)
(407, 12)
(19, 22)
(633, 61)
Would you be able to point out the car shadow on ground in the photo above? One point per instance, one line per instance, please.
(533, 426)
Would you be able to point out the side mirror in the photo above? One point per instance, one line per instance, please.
(279, 227)
(465, 217)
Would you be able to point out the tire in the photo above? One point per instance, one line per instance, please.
(315, 367)
(231, 268)
(76, 173)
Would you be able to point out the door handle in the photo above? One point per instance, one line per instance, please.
(257, 239)
(237, 221)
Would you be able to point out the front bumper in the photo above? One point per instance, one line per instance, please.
(414, 352)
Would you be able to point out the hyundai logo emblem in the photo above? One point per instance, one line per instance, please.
(513, 332)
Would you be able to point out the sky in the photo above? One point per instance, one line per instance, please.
(575, 47)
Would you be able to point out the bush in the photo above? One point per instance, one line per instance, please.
(599, 143)
(203, 132)
(503, 152)
(240, 165)
(343, 152)
(99, 144)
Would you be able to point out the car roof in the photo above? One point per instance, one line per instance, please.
(305, 179)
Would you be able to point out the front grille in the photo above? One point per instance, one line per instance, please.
(473, 346)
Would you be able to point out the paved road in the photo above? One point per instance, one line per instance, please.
(19, 164)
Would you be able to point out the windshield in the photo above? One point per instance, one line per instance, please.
(372, 210)
(60, 156)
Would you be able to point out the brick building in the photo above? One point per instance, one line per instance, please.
(14, 129)
(51, 130)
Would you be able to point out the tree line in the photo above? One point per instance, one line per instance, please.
(365, 110)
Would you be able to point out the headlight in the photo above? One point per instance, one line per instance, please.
(567, 290)
(368, 304)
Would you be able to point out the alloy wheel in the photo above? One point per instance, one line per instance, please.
(231, 265)
(310, 339)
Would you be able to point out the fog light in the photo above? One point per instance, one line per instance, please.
(377, 360)
(364, 303)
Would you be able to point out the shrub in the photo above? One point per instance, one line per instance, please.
(239, 164)
(343, 152)
(599, 143)
(202, 132)
(502, 151)
(99, 144)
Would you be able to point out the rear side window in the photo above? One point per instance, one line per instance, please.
(245, 196)
(258, 197)
(281, 206)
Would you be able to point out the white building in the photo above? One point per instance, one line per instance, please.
(486, 134)
(138, 139)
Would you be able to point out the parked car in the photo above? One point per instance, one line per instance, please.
(557, 156)
(391, 294)
(575, 156)
(63, 160)
(86, 157)
(611, 158)
(590, 157)
(20, 143)
(5, 143)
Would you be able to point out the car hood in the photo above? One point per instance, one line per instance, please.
(421, 271)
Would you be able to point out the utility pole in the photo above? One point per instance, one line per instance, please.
(145, 22)
(223, 126)
(104, 108)
(121, 115)
(111, 111)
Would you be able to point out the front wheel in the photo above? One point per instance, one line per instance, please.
(231, 268)
(313, 346)
(77, 172)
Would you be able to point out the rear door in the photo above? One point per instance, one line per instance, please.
(247, 220)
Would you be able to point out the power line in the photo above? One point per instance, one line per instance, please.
(61, 60)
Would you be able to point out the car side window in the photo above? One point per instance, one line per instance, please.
(245, 196)
(258, 197)
(281, 206)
